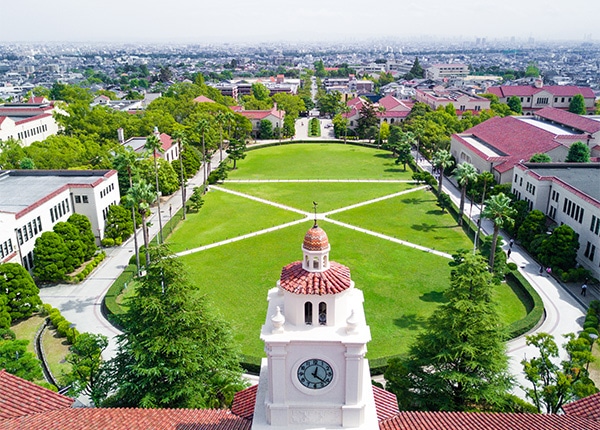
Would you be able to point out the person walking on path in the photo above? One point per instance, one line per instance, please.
(508, 253)
(510, 244)
(584, 289)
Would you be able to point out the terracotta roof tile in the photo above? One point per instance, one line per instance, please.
(588, 407)
(130, 419)
(203, 99)
(19, 397)
(299, 281)
(485, 421)
(244, 401)
(567, 118)
(386, 403)
(530, 90)
(315, 239)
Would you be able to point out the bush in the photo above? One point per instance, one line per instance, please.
(63, 327)
(576, 275)
(591, 330)
(512, 266)
(107, 242)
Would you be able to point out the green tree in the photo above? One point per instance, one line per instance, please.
(394, 140)
(532, 70)
(16, 360)
(442, 160)
(553, 385)
(465, 174)
(533, 225)
(577, 105)
(236, 151)
(70, 236)
(444, 201)
(154, 147)
(21, 293)
(329, 104)
(416, 71)
(168, 180)
(320, 69)
(174, 352)
(498, 209)
(5, 319)
(86, 234)
(578, 153)
(458, 362)
(514, 103)
(260, 92)
(86, 361)
(266, 129)
(196, 200)
(367, 120)
(49, 256)
(26, 164)
(404, 154)
(559, 250)
(119, 223)
(141, 195)
(540, 158)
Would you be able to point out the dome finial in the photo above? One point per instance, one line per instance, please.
(315, 204)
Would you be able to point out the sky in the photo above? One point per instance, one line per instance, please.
(204, 21)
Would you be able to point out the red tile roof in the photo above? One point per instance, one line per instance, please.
(567, 118)
(485, 421)
(588, 407)
(530, 90)
(19, 397)
(299, 281)
(315, 239)
(244, 401)
(166, 141)
(129, 419)
(203, 99)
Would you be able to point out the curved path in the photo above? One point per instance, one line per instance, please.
(80, 304)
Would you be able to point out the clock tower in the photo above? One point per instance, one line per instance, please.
(315, 374)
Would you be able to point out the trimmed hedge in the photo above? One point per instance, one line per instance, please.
(535, 307)
(87, 269)
(62, 326)
(110, 307)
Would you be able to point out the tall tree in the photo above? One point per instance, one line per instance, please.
(181, 138)
(498, 209)
(458, 363)
(70, 236)
(404, 154)
(154, 147)
(260, 92)
(49, 256)
(174, 352)
(578, 153)
(465, 174)
(236, 151)
(514, 103)
(86, 361)
(540, 158)
(16, 360)
(203, 127)
(559, 250)
(366, 121)
(266, 129)
(86, 234)
(577, 105)
(442, 160)
(533, 225)
(19, 290)
(141, 196)
(5, 319)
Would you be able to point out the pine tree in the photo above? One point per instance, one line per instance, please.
(577, 105)
(21, 293)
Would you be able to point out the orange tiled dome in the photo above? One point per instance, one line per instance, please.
(316, 239)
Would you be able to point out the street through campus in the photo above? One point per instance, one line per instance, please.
(81, 303)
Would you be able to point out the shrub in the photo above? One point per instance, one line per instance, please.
(108, 242)
(591, 330)
(63, 327)
(512, 266)
(588, 324)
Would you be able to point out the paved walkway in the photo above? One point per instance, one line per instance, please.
(80, 304)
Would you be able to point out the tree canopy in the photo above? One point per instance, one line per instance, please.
(578, 153)
(19, 290)
(577, 105)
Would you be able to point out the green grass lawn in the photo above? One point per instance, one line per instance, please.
(27, 328)
(329, 196)
(319, 161)
(224, 216)
(413, 217)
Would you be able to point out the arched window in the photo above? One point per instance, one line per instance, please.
(323, 313)
(324, 261)
(308, 313)
(316, 263)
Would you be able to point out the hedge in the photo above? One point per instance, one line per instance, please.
(534, 305)
(63, 327)
(88, 268)
(110, 308)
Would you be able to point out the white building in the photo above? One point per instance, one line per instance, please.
(460, 99)
(28, 122)
(170, 148)
(315, 374)
(568, 193)
(442, 71)
(33, 201)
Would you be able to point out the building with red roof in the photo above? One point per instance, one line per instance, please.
(537, 96)
(461, 100)
(28, 122)
(170, 147)
(274, 116)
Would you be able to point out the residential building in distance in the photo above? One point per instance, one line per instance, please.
(568, 193)
(274, 115)
(442, 71)
(170, 148)
(120, 105)
(462, 100)
(28, 122)
(498, 144)
(34, 200)
(537, 96)
(394, 110)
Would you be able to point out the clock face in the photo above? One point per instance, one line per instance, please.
(315, 374)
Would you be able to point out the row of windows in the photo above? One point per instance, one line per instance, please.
(59, 210)
(105, 210)
(32, 131)
(308, 313)
(107, 190)
(81, 199)
(542, 101)
(595, 225)
(6, 249)
(555, 196)
(29, 230)
(552, 213)
(590, 251)
(562, 100)
(530, 188)
(573, 210)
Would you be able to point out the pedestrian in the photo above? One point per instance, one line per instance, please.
(584, 289)
(170, 211)
(549, 271)
(508, 253)
(511, 243)
(541, 269)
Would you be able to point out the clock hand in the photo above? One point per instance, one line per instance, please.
(315, 374)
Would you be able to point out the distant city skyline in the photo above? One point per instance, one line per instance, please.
(189, 21)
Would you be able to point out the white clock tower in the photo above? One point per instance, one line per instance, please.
(315, 375)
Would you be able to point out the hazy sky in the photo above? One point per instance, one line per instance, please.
(201, 21)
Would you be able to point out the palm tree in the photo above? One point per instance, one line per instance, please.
(498, 209)
(380, 110)
(486, 177)
(442, 160)
(126, 160)
(465, 174)
(202, 127)
(154, 146)
(141, 195)
(180, 137)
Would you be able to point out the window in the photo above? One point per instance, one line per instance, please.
(323, 313)
(590, 251)
(77, 199)
(84, 199)
(20, 236)
(542, 101)
(308, 313)
(562, 100)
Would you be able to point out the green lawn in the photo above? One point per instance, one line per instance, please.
(413, 217)
(319, 161)
(329, 196)
(27, 328)
(224, 216)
